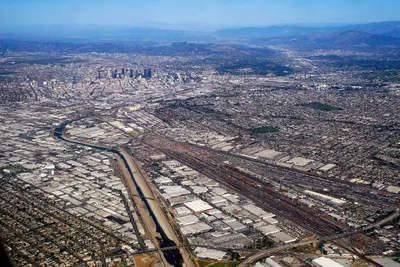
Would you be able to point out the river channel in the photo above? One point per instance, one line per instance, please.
(173, 256)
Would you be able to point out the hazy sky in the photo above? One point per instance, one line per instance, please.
(220, 13)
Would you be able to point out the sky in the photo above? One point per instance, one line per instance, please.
(194, 13)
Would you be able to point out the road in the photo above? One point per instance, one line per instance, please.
(267, 252)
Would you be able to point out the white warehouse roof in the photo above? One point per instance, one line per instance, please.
(325, 262)
(198, 205)
(182, 211)
(327, 167)
(285, 238)
(269, 229)
(187, 220)
(210, 253)
(258, 212)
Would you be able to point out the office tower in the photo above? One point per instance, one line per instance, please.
(131, 73)
(136, 74)
(147, 73)
(123, 71)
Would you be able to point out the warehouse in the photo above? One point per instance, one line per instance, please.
(325, 262)
(387, 262)
(198, 189)
(268, 153)
(393, 189)
(172, 163)
(188, 220)
(217, 200)
(163, 180)
(285, 238)
(271, 220)
(228, 238)
(327, 167)
(299, 161)
(195, 228)
(198, 205)
(209, 253)
(174, 191)
(234, 224)
(268, 229)
(257, 211)
(180, 211)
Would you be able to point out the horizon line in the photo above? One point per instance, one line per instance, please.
(175, 26)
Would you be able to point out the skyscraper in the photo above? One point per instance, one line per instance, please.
(147, 73)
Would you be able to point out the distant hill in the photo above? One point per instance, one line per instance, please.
(354, 38)
(371, 34)
(350, 39)
(342, 40)
(269, 32)
(390, 28)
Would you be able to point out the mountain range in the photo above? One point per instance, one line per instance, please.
(390, 28)
(369, 35)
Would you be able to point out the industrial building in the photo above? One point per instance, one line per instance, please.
(325, 262)
(209, 253)
(198, 205)
(195, 228)
(234, 224)
(268, 153)
(285, 238)
(188, 220)
(268, 229)
(258, 212)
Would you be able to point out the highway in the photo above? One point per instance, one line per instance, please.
(265, 253)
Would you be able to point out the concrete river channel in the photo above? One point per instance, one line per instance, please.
(173, 256)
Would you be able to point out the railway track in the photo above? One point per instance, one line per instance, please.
(260, 193)
(339, 188)
(268, 199)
